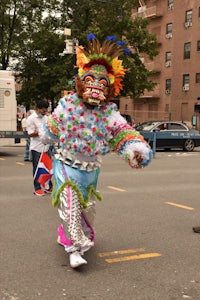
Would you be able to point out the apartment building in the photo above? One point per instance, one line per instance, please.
(176, 24)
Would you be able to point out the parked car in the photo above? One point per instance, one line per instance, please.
(169, 134)
(128, 118)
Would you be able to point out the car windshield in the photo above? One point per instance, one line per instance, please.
(146, 126)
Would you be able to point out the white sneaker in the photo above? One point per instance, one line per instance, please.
(76, 260)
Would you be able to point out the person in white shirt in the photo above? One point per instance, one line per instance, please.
(34, 125)
(27, 153)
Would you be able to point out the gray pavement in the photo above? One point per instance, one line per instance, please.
(145, 247)
(11, 142)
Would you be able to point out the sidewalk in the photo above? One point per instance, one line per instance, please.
(11, 143)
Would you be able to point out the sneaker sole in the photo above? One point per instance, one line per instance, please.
(39, 195)
(76, 262)
(74, 266)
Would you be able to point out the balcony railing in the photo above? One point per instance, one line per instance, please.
(148, 12)
(154, 66)
(153, 94)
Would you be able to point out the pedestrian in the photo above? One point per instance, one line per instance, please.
(87, 125)
(27, 152)
(34, 124)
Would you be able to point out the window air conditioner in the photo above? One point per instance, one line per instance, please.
(167, 92)
(168, 63)
(141, 9)
(186, 87)
(188, 24)
(168, 35)
(170, 6)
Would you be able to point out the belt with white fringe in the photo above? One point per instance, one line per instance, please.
(79, 165)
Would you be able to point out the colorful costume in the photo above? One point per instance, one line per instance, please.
(88, 126)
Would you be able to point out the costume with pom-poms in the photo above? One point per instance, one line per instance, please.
(87, 125)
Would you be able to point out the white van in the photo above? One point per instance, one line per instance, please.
(8, 106)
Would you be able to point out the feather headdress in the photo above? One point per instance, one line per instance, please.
(107, 55)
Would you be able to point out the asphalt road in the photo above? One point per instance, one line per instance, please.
(145, 247)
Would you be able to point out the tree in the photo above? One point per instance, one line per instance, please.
(32, 37)
(107, 17)
(142, 43)
(10, 30)
(137, 37)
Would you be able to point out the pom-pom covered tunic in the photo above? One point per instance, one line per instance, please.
(84, 135)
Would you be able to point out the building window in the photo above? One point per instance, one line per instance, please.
(187, 50)
(186, 82)
(188, 19)
(168, 31)
(170, 4)
(198, 45)
(168, 59)
(186, 79)
(169, 28)
(168, 84)
(188, 15)
(168, 56)
(197, 77)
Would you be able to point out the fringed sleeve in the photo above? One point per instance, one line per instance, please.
(126, 141)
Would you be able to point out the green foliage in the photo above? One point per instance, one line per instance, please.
(137, 77)
(32, 38)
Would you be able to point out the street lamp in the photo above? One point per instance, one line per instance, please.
(70, 48)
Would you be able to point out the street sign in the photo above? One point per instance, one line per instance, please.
(67, 31)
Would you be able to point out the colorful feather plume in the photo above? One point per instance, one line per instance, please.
(106, 54)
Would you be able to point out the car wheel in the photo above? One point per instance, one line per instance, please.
(188, 145)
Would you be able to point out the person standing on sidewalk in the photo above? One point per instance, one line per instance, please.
(34, 125)
(27, 153)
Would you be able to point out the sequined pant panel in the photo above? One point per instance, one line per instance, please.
(77, 222)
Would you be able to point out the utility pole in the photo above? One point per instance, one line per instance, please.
(198, 110)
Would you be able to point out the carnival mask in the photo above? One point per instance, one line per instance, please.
(100, 71)
(95, 85)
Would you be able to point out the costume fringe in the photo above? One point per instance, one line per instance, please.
(83, 202)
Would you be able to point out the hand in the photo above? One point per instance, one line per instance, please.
(138, 157)
(34, 134)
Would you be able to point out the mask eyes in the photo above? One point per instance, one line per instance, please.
(89, 79)
(103, 82)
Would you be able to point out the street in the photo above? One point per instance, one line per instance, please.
(145, 248)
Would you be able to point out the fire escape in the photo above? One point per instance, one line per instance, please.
(154, 11)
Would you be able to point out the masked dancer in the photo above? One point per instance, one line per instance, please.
(87, 126)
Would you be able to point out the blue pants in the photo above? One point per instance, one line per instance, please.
(27, 153)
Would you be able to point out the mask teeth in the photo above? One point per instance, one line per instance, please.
(93, 101)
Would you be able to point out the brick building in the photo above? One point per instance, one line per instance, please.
(176, 24)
